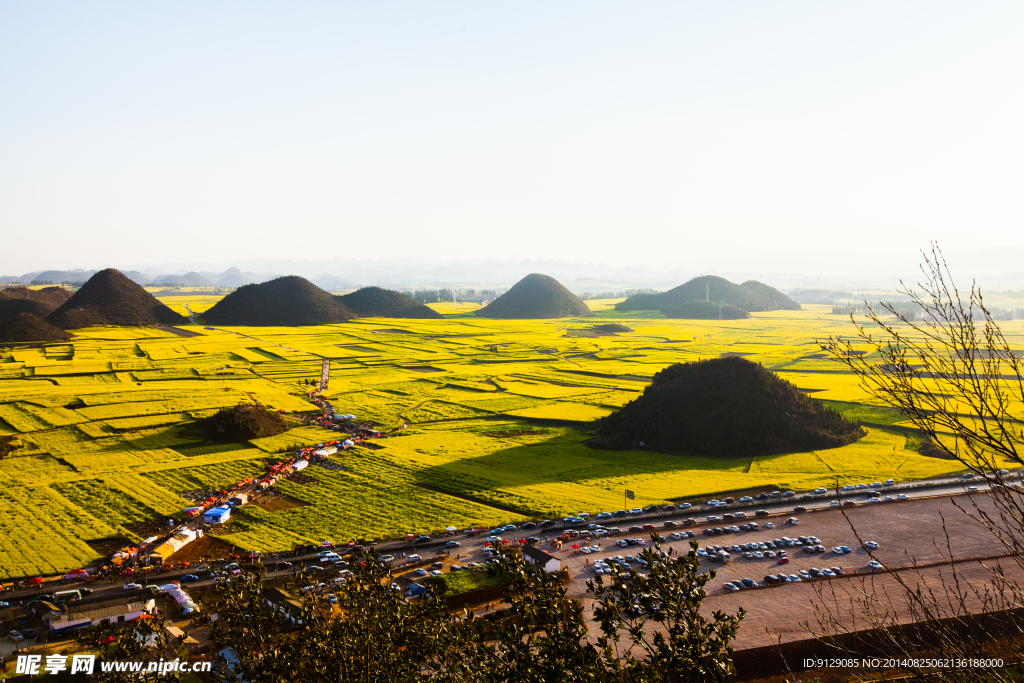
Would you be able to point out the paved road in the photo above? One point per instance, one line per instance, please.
(471, 548)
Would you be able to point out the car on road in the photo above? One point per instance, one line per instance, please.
(834, 504)
(648, 526)
(437, 572)
(420, 571)
(189, 577)
(422, 539)
(902, 496)
(820, 490)
(455, 568)
(848, 487)
(871, 545)
(132, 586)
(449, 544)
(280, 565)
(635, 511)
(668, 508)
(16, 636)
(746, 499)
(972, 489)
(387, 558)
(713, 518)
(669, 523)
(529, 525)
(620, 513)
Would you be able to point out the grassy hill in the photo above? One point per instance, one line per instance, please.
(285, 301)
(375, 302)
(535, 297)
(751, 296)
(724, 407)
(705, 310)
(26, 327)
(38, 302)
(110, 298)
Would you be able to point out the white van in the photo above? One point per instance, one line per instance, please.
(413, 558)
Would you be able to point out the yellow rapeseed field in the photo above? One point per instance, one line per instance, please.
(484, 419)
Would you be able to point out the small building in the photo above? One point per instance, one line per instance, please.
(538, 557)
(283, 603)
(239, 499)
(217, 515)
(299, 465)
(113, 611)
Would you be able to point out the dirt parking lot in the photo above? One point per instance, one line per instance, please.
(907, 532)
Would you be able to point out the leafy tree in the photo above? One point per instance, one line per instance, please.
(374, 634)
(668, 637)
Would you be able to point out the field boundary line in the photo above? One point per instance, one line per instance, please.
(478, 501)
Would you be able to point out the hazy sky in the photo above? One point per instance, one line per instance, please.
(803, 133)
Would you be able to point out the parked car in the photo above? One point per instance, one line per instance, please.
(132, 586)
(422, 539)
(450, 544)
(875, 565)
(16, 636)
(189, 578)
(871, 545)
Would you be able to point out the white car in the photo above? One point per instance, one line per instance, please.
(874, 564)
(834, 504)
(821, 490)
(871, 545)
(902, 496)
(132, 586)
(769, 525)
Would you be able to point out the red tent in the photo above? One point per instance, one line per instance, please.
(575, 546)
(36, 579)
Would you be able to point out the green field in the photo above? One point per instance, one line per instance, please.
(497, 411)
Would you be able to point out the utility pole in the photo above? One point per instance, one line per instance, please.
(707, 292)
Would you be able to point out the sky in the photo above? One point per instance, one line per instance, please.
(803, 136)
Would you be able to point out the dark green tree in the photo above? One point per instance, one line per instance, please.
(666, 635)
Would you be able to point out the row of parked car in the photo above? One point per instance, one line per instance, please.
(775, 579)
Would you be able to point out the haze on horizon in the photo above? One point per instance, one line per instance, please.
(800, 137)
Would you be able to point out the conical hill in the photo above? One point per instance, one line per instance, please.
(110, 298)
(287, 301)
(691, 300)
(536, 296)
(26, 327)
(38, 302)
(375, 302)
(724, 407)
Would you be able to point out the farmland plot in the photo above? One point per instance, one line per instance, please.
(498, 412)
